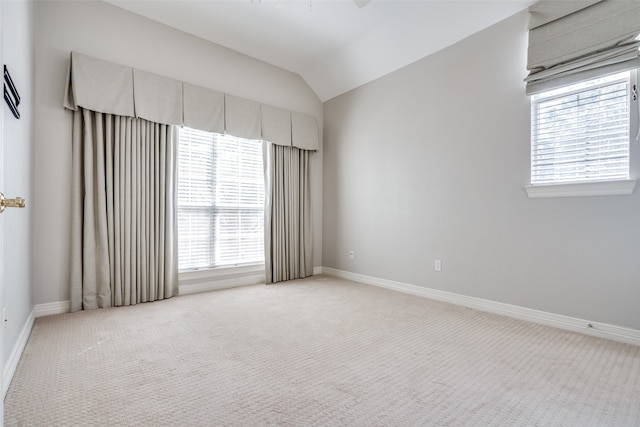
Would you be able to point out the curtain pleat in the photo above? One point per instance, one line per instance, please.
(124, 247)
(288, 231)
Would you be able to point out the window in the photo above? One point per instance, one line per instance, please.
(580, 133)
(220, 200)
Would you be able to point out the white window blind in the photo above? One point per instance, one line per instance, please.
(580, 133)
(220, 200)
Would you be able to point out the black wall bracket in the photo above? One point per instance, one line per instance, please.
(11, 95)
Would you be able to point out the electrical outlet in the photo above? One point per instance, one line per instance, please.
(437, 265)
(352, 254)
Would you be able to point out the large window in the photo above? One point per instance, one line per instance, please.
(580, 133)
(220, 200)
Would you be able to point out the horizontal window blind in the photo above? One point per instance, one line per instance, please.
(581, 132)
(220, 200)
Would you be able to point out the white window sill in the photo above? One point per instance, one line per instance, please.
(193, 281)
(218, 273)
(582, 189)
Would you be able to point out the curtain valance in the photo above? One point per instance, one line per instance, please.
(276, 125)
(99, 85)
(203, 108)
(106, 87)
(156, 98)
(578, 40)
(242, 117)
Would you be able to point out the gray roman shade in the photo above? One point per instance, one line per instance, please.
(242, 117)
(203, 108)
(276, 125)
(105, 87)
(570, 41)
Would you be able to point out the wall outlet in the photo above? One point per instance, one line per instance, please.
(437, 265)
(352, 254)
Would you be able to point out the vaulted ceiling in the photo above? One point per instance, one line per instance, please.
(335, 45)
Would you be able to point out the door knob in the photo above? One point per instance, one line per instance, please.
(18, 202)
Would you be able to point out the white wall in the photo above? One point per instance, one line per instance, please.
(430, 161)
(107, 32)
(18, 48)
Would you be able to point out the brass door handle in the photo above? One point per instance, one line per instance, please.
(18, 202)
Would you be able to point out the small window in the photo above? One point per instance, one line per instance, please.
(580, 133)
(220, 200)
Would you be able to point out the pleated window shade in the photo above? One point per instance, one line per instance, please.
(581, 132)
(220, 200)
(573, 41)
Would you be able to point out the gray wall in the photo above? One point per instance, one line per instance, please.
(107, 32)
(430, 161)
(18, 26)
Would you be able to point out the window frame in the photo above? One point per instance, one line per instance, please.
(198, 274)
(607, 187)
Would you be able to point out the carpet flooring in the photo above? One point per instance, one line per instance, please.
(318, 351)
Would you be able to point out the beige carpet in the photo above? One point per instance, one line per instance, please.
(319, 351)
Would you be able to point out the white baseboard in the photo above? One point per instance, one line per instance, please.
(38, 310)
(12, 363)
(214, 285)
(183, 289)
(602, 330)
(51, 308)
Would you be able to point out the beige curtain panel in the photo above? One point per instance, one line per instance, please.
(124, 179)
(577, 40)
(123, 241)
(288, 223)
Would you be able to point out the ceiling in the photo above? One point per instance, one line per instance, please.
(335, 45)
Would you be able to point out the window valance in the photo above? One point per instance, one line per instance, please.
(276, 125)
(203, 108)
(579, 40)
(106, 87)
(242, 117)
